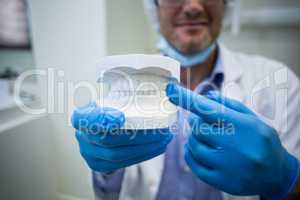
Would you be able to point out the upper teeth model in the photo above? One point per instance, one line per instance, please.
(135, 85)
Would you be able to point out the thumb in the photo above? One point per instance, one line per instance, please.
(94, 118)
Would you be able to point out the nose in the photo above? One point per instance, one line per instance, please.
(193, 8)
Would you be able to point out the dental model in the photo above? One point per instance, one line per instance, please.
(135, 85)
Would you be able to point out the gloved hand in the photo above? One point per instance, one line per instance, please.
(106, 147)
(231, 149)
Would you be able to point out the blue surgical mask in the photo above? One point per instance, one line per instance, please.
(186, 61)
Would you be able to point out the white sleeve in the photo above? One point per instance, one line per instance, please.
(289, 127)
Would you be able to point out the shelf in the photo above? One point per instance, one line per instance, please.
(276, 17)
(14, 117)
(272, 16)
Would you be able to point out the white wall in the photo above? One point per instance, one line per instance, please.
(70, 36)
(280, 44)
(128, 30)
(26, 167)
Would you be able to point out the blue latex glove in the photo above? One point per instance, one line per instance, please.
(106, 147)
(231, 149)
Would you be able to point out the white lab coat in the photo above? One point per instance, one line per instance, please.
(269, 88)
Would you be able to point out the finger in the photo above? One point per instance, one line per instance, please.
(230, 103)
(213, 135)
(202, 153)
(205, 174)
(209, 110)
(118, 153)
(201, 129)
(108, 166)
(127, 137)
(94, 119)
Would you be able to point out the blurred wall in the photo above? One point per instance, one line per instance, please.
(27, 170)
(128, 30)
(19, 60)
(68, 36)
(279, 44)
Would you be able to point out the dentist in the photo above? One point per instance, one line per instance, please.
(194, 163)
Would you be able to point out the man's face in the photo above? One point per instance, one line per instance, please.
(193, 26)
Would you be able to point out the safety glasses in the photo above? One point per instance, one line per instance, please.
(179, 3)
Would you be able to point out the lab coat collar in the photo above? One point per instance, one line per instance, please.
(227, 66)
(214, 78)
(233, 71)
